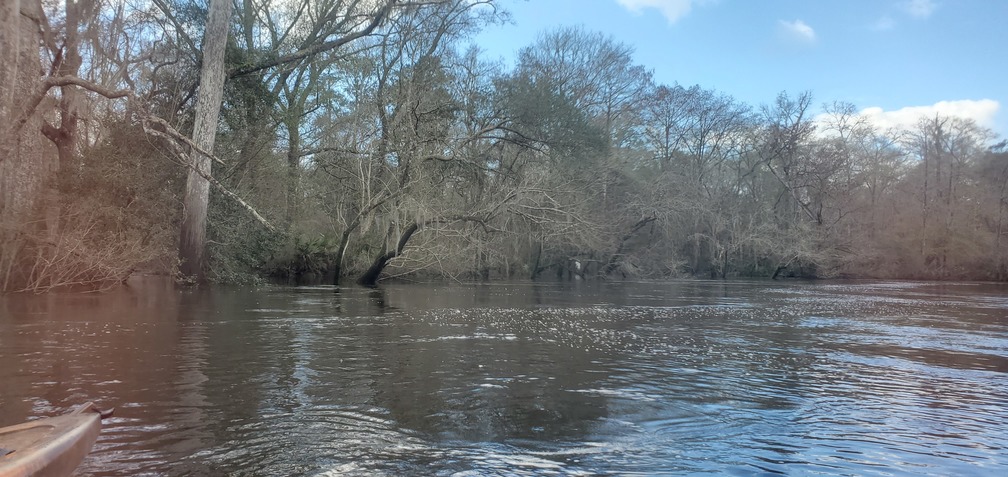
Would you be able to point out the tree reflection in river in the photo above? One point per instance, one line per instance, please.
(589, 377)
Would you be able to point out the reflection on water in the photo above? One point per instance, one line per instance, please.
(523, 379)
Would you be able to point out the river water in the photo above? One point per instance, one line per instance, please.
(579, 378)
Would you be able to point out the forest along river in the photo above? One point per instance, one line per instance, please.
(865, 378)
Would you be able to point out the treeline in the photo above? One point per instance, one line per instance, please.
(365, 140)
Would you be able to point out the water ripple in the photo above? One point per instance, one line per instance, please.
(881, 378)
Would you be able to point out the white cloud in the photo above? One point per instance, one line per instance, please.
(919, 8)
(982, 111)
(884, 24)
(673, 10)
(798, 30)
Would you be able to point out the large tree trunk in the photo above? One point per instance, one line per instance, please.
(370, 277)
(24, 167)
(192, 243)
(64, 136)
(345, 237)
(10, 41)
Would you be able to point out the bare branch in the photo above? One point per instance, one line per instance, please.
(169, 132)
(317, 47)
(179, 30)
(55, 81)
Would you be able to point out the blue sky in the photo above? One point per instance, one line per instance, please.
(893, 59)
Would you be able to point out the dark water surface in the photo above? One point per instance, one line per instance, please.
(588, 378)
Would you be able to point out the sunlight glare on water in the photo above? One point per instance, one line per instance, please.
(863, 378)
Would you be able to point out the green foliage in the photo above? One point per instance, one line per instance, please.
(543, 116)
(305, 258)
(240, 248)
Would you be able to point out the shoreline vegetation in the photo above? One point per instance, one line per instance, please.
(367, 141)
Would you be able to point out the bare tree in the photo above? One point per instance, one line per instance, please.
(947, 148)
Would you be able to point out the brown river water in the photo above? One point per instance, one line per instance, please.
(576, 378)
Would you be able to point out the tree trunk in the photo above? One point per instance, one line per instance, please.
(64, 136)
(345, 238)
(621, 248)
(192, 243)
(341, 252)
(24, 166)
(10, 41)
(370, 277)
(293, 168)
(724, 264)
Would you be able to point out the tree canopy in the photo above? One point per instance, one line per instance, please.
(364, 140)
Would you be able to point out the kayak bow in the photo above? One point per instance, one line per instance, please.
(52, 446)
